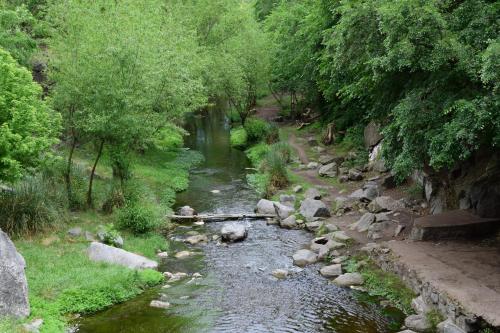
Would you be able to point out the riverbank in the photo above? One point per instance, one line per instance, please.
(63, 282)
(457, 280)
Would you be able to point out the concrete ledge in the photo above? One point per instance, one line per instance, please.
(453, 225)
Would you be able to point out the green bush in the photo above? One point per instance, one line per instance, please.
(259, 181)
(234, 116)
(27, 208)
(257, 129)
(138, 218)
(239, 138)
(257, 153)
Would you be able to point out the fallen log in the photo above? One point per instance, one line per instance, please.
(219, 217)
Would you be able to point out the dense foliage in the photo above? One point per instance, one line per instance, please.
(28, 127)
(427, 70)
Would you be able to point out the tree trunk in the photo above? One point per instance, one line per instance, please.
(92, 173)
(67, 176)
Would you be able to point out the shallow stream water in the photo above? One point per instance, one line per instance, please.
(237, 292)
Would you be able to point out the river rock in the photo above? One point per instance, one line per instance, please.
(326, 159)
(323, 252)
(159, 304)
(283, 211)
(349, 279)
(13, 285)
(418, 323)
(298, 189)
(358, 194)
(162, 255)
(384, 204)
(193, 240)
(112, 255)
(287, 200)
(280, 273)
(312, 165)
(289, 223)
(233, 232)
(331, 270)
(304, 257)
(313, 226)
(340, 236)
(370, 192)
(419, 306)
(265, 206)
(448, 326)
(312, 193)
(364, 222)
(355, 175)
(186, 211)
(33, 327)
(75, 232)
(407, 331)
(311, 208)
(331, 227)
(333, 245)
(328, 170)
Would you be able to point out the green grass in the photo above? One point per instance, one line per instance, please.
(63, 281)
(382, 284)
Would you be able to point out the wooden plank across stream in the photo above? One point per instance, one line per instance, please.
(219, 217)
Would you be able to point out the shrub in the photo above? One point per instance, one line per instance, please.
(234, 116)
(138, 218)
(257, 153)
(239, 138)
(257, 129)
(283, 150)
(259, 181)
(27, 208)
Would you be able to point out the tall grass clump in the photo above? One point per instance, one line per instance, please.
(29, 207)
(274, 165)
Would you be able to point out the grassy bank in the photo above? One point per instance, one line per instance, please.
(63, 282)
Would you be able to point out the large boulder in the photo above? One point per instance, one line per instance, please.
(329, 170)
(370, 191)
(349, 279)
(233, 232)
(112, 255)
(265, 206)
(372, 134)
(283, 211)
(311, 209)
(13, 284)
(304, 257)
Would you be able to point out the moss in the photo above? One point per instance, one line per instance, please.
(382, 284)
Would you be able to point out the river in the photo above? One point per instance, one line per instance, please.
(237, 292)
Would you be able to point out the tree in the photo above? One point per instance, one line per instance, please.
(28, 127)
(123, 71)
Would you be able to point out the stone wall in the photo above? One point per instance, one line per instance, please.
(431, 296)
